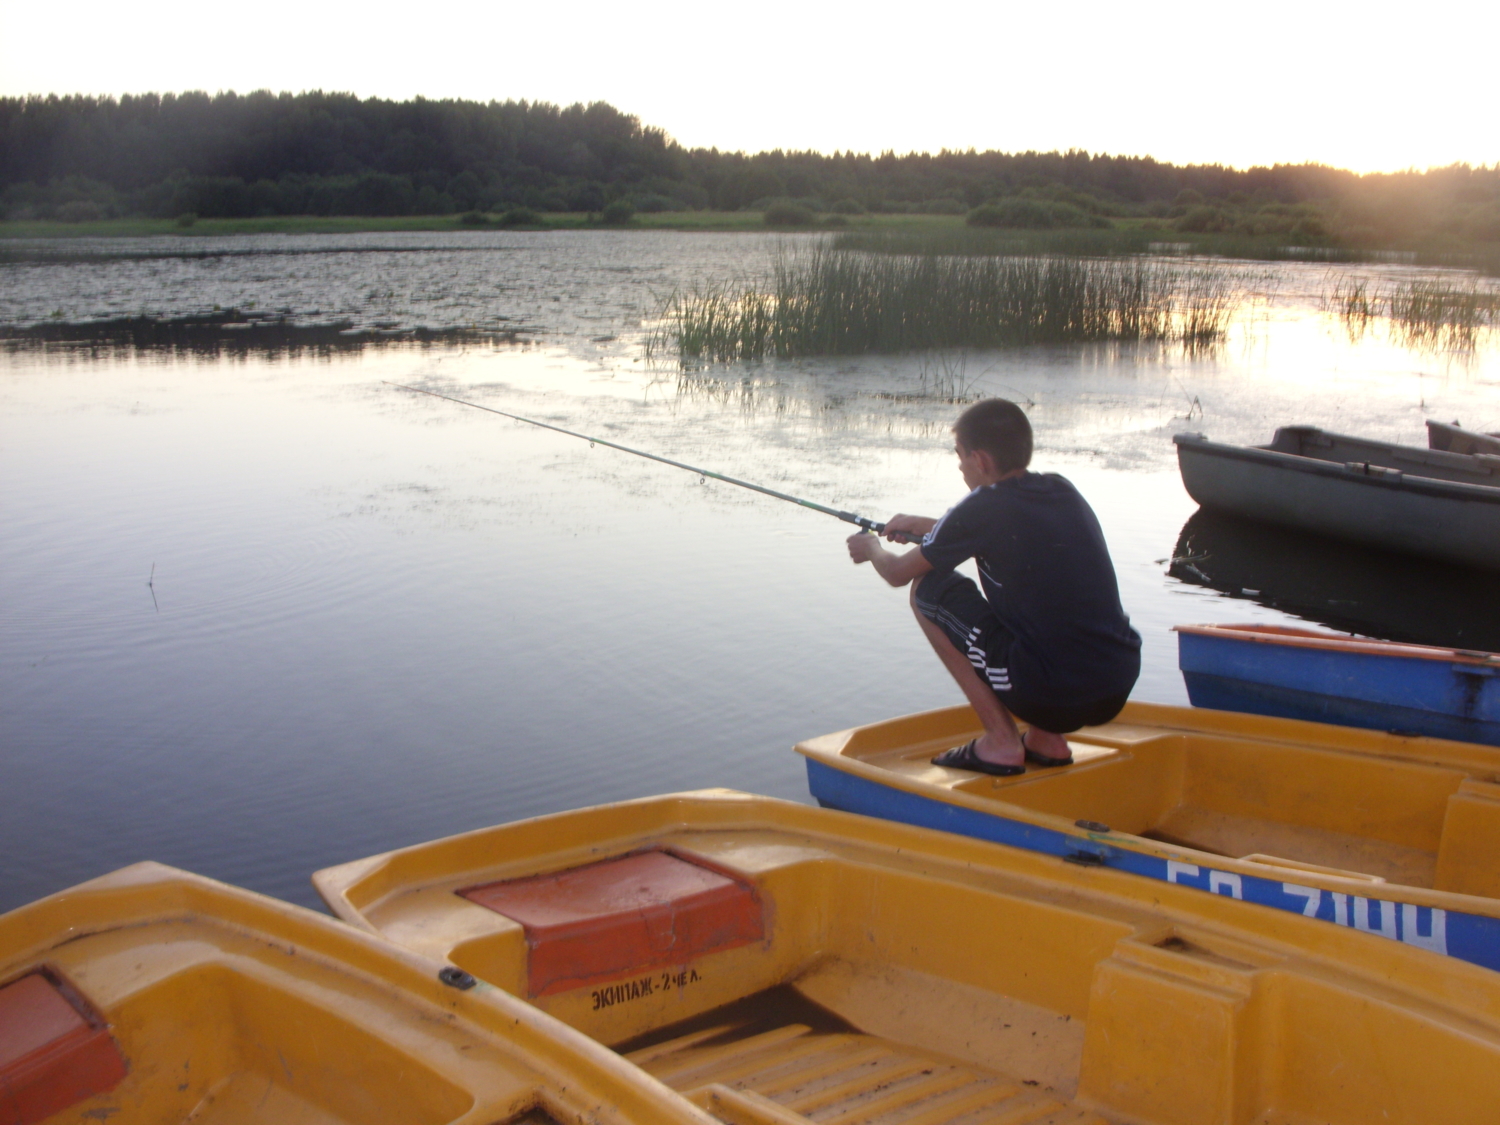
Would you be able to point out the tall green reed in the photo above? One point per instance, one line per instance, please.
(1420, 312)
(1443, 311)
(991, 242)
(827, 301)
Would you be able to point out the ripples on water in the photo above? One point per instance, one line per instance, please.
(376, 618)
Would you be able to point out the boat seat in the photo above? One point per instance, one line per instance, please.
(1471, 841)
(55, 1050)
(624, 917)
(1158, 991)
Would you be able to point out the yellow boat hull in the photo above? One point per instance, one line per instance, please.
(1394, 835)
(155, 996)
(905, 975)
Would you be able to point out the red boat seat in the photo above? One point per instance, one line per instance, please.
(54, 1050)
(623, 917)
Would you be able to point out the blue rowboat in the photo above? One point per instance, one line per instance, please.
(1325, 678)
(1394, 836)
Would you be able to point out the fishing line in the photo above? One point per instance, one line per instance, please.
(848, 517)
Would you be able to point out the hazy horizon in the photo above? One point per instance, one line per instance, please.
(774, 148)
(1297, 83)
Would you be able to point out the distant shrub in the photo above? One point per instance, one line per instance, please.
(788, 214)
(1058, 193)
(1310, 229)
(696, 198)
(585, 197)
(806, 202)
(835, 221)
(474, 219)
(944, 207)
(654, 203)
(848, 207)
(187, 219)
(1483, 223)
(520, 217)
(618, 212)
(549, 201)
(430, 201)
(80, 211)
(1012, 213)
(1032, 214)
(1204, 218)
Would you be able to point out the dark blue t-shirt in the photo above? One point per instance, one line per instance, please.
(1047, 575)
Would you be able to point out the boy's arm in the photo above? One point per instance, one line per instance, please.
(896, 569)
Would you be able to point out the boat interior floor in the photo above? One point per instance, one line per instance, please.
(1436, 464)
(777, 1058)
(1241, 837)
(1224, 796)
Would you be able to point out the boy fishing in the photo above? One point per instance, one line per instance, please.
(1047, 641)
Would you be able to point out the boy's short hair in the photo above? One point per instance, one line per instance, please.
(999, 427)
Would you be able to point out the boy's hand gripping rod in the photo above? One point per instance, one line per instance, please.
(848, 517)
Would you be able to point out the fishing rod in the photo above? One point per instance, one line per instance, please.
(848, 517)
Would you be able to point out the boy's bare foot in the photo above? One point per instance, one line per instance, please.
(1044, 744)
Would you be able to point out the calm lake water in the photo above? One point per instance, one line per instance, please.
(265, 613)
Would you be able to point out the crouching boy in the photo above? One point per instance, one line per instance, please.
(1047, 641)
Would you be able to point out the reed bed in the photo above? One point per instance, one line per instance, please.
(965, 241)
(1118, 241)
(828, 301)
(1443, 309)
(1423, 312)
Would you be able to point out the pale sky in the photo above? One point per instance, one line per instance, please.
(1367, 86)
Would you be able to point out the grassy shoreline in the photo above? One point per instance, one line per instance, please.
(1126, 236)
(898, 234)
(358, 224)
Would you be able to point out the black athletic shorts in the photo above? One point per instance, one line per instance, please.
(955, 605)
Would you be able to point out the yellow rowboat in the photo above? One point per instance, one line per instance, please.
(782, 964)
(1393, 835)
(155, 996)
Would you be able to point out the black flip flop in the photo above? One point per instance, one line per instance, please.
(964, 758)
(1042, 759)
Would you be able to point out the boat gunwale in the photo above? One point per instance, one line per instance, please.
(533, 1043)
(1294, 637)
(1396, 480)
(1009, 870)
(335, 882)
(822, 749)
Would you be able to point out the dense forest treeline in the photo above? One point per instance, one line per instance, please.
(229, 155)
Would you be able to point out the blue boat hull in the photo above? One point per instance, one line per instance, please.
(1409, 695)
(1469, 937)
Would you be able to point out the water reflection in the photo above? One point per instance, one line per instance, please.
(1348, 587)
(374, 618)
(580, 285)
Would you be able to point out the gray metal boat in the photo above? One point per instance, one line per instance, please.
(1456, 439)
(1426, 502)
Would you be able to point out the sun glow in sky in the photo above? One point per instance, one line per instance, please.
(1372, 86)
